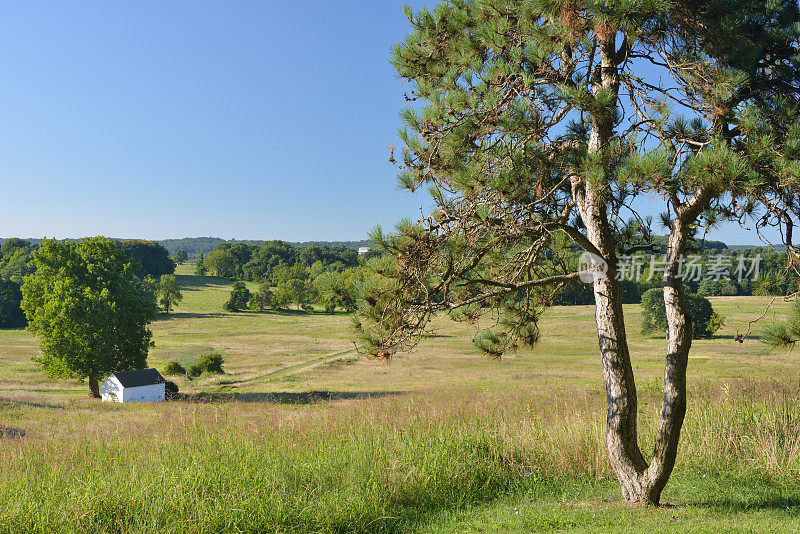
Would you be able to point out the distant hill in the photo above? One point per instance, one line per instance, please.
(708, 245)
(354, 245)
(779, 248)
(194, 246)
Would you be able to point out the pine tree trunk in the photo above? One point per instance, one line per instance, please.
(640, 482)
(94, 388)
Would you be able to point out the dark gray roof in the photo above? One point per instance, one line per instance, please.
(135, 379)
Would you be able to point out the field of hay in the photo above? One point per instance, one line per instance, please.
(301, 434)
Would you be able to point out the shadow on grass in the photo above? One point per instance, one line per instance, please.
(32, 404)
(190, 315)
(7, 432)
(732, 337)
(290, 312)
(778, 503)
(188, 282)
(305, 397)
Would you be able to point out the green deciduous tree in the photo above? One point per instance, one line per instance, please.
(240, 296)
(85, 303)
(536, 125)
(15, 257)
(11, 314)
(169, 293)
(292, 283)
(152, 257)
(200, 268)
(705, 321)
(263, 298)
(181, 256)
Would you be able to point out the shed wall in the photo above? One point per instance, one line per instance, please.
(112, 391)
(152, 393)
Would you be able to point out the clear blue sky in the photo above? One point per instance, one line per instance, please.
(246, 119)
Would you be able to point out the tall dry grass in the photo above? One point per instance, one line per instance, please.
(386, 464)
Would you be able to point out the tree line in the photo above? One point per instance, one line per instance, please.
(771, 280)
(149, 260)
(301, 276)
(196, 246)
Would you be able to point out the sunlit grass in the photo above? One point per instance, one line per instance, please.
(439, 440)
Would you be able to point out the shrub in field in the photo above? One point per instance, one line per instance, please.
(170, 389)
(208, 363)
(705, 321)
(174, 368)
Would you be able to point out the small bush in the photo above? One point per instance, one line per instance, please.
(174, 368)
(705, 321)
(195, 370)
(170, 389)
(208, 363)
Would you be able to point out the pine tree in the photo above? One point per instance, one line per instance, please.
(535, 124)
(784, 334)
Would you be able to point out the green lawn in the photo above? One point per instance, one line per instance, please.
(438, 440)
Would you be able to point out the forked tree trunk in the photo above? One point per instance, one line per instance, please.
(94, 388)
(640, 481)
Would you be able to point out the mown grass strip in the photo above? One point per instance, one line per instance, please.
(296, 367)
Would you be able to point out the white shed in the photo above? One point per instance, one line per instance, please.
(363, 250)
(146, 385)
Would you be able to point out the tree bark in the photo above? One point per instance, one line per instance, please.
(639, 481)
(94, 388)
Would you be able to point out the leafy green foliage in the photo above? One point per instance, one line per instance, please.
(169, 294)
(263, 298)
(85, 303)
(210, 363)
(705, 321)
(150, 257)
(181, 256)
(11, 314)
(245, 261)
(784, 334)
(240, 296)
(15, 257)
(292, 285)
(170, 389)
(174, 368)
(200, 268)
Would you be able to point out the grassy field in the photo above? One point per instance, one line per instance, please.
(302, 435)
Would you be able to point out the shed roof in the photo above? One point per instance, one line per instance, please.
(135, 379)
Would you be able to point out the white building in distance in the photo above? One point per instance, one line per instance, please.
(363, 250)
(146, 385)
